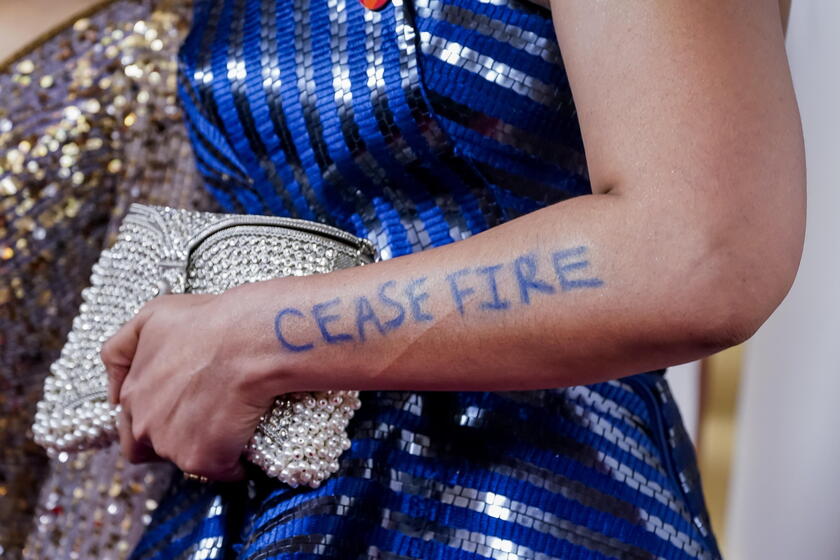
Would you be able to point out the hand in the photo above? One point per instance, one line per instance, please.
(181, 374)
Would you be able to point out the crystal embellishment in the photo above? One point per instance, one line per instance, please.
(165, 250)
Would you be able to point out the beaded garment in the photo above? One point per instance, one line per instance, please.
(89, 122)
(415, 126)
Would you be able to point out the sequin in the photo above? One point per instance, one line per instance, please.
(61, 124)
(294, 110)
(415, 126)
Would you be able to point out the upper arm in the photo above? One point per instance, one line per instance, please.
(688, 108)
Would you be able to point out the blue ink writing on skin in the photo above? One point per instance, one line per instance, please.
(561, 268)
(526, 276)
(391, 324)
(278, 331)
(323, 320)
(365, 314)
(415, 300)
(458, 292)
(397, 304)
(490, 274)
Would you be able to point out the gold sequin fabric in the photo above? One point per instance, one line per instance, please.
(89, 122)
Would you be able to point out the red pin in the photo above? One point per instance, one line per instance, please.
(374, 4)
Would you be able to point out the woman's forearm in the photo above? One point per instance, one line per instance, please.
(582, 291)
(694, 150)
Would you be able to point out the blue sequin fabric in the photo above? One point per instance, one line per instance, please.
(416, 126)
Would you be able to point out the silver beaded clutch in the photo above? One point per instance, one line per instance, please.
(163, 250)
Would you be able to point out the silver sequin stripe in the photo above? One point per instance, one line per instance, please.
(475, 542)
(619, 470)
(318, 544)
(399, 148)
(199, 90)
(665, 397)
(609, 431)
(409, 68)
(505, 509)
(375, 70)
(343, 94)
(236, 75)
(599, 402)
(499, 73)
(489, 504)
(207, 548)
(308, 96)
(411, 79)
(203, 73)
(196, 492)
(385, 123)
(419, 444)
(603, 428)
(272, 84)
(600, 426)
(343, 99)
(690, 486)
(307, 92)
(521, 39)
(590, 497)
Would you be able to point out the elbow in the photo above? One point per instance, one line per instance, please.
(725, 324)
(743, 284)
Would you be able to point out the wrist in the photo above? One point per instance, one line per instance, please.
(263, 366)
(258, 372)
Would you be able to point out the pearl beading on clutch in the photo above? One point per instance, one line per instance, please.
(165, 250)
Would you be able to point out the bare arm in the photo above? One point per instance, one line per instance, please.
(694, 231)
(691, 238)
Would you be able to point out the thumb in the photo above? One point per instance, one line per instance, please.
(118, 352)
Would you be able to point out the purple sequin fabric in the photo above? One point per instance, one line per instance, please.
(89, 122)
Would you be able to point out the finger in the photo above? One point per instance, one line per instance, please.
(132, 450)
(118, 352)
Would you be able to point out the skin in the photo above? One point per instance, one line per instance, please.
(25, 20)
(694, 229)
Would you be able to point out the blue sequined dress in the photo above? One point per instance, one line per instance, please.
(415, 126)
